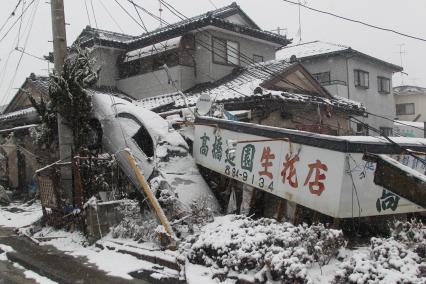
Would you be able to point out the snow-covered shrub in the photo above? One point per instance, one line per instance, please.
(389, 261)
(278, 250)
(409, 232)
(323, 243)
(201, 213)
(135, 225)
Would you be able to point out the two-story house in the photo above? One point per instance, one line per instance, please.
(410, 102)
(197, 50)
(349, 73)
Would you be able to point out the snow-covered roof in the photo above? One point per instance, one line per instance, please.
(20, 99)
(28, 115)
(316, 49)
(240, 87)
(409, 90)
(218, 18)
(308, 49)
(153, 49)
(418, 124)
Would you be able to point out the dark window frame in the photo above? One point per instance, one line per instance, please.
(387, 131)
(357, 78)
(380, 80)
(398, 106)
(316, 76)
(259, 56)
(226, 62)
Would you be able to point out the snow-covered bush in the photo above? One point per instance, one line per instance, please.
(392, 260)
(135, 225)
(278, 250)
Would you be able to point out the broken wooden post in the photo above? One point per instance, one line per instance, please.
(150, 196)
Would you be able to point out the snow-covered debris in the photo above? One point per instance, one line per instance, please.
(243, 85)
(161, 153)
(279, 251)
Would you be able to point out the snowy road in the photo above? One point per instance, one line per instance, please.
(17, 252)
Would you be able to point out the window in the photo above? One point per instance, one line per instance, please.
(404, 109)
(226, 51)
(387, 131)
(257, 58)
(361, 129)
(361, 79)
(323, 77)
(383, 85)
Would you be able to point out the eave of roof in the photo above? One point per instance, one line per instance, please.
(352, 52)
(91, 36)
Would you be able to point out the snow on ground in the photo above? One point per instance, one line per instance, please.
(28, 273)
(110, 261)
(18, 215)
(4, 249)
(36, 277)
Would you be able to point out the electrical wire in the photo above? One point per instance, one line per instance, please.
(207, 45)
(14, 23)
(110, 15)
(87, 12)
(94, 14)
(355, 21)
(10, 16)
(144, 27)
(28, 28)
(242, 57)
(408, 151)
(393, 120)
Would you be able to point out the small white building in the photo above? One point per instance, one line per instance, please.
(410, 103)
(348, 73)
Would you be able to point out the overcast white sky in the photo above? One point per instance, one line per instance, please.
(405, 16)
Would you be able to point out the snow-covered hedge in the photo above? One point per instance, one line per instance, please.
(398, 259)
(280, 251)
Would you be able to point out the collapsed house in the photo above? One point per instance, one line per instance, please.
(274, 93)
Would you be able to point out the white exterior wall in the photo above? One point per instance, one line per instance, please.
(342, 69)
(106, 60)
(207, 71)
(419, 101)
(156, 83)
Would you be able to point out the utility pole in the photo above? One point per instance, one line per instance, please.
(64, 132)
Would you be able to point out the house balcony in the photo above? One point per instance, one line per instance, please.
(336, 88)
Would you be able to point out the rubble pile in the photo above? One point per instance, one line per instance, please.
(272, 250)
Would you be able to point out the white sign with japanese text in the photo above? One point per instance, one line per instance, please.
(313, 177)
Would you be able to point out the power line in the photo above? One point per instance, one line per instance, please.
(390, 140)
(110, 15)
(243, 57)
(213, 4)
(355, 21)
(155, 17)
(10, 15)
(28, 28)
(393, 120)
(14, 23)
(87, 12)
(94, 14)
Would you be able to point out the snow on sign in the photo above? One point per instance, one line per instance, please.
(317, 178)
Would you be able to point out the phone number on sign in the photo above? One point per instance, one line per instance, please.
(249, 178)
